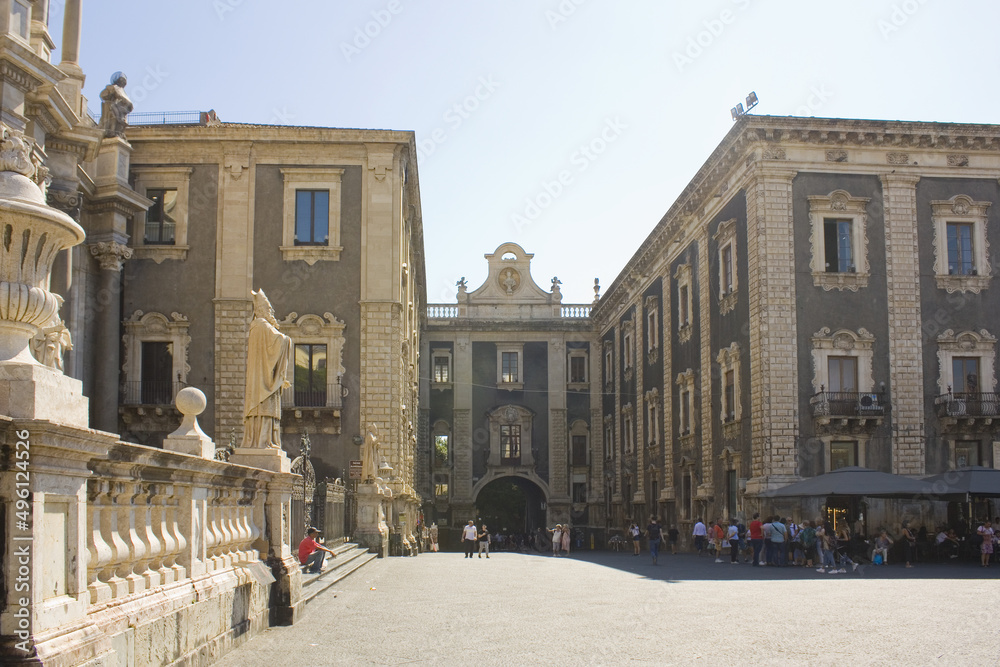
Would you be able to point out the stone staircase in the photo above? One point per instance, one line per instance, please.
(349, 558)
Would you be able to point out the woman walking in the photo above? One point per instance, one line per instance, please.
(909, 543)
(986, 550)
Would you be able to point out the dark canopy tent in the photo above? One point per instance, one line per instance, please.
(852, 481)
(964, 483)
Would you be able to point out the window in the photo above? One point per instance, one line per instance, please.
(441, 369)
(652, 327)
(577, 367)
(156, 355)
(440, 486)
(312, 217)
(729, 395)
(961, 259)
(441, 451)
(609, 437)
(609, 368)
(839, 241)
(510, 367)
(311, 214)
(510, 444)
(310, 375)
(686, 496)
(732, 488)
(510, 436)
(843, 374)
(627, 431)
(627, 351)
(725, 237)
(318, 362)
(969, 453)
(685, 381)
(160, 223)
(652, 415)
(161, 231)
(965, 375)
(580, 492)
(685, 308)
(157, 367)
(579, 450)
(842, 360)
(961, 250)
(843, 454)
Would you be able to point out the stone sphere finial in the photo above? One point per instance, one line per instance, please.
(191, 401)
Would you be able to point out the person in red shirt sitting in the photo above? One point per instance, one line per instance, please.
(312, 553)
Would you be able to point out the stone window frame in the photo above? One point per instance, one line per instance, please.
(685, 382)
(729, 360)
(732, 461)
(514, 415)
(517, 348)
(609, 364)
(652, 415)
(861, 438)
(576, 353)
(987, 451)
(436, 353)
(442, 478)
(839, 205)
(313, 329)
(652, 308)
(961, 209)
(609, 437)
(725, 237)
(628, 349)
(578, 428)
(154, 327)
(843, 343)
(980, 344)
(684, 278)
(628, 427)
(311, 178)
(162, 178)
(442, 427)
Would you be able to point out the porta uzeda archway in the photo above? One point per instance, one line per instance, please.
(511, 504)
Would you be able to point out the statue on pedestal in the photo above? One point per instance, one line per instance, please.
(268, 355)
(369, 456)
(115, 107)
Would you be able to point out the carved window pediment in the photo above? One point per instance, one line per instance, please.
(961, 244)
(844, 265)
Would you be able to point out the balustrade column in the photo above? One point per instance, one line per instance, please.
(112, 524)
(99, 552)
(163, 533)
(154, 546)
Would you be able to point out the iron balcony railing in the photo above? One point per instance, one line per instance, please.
(150, 392)
(331, 397)
(849, 404)
(968, 404)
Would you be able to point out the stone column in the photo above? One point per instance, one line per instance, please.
(773, 359)
(109, 256)
(72, 86)
(667, 404)
(902, 269)
(558, 459)
(463, 445)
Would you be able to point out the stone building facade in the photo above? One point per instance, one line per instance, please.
(819, 296)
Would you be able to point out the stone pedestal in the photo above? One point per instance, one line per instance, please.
(372, 531)
(33, 391)
(189, 438)
(274, 460)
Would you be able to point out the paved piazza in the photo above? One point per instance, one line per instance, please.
(612, 609)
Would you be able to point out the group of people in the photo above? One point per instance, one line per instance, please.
(654, 535)
(560, 539)
(471, 536)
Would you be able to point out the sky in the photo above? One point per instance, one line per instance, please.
(566, 126)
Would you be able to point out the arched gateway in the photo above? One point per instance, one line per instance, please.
(511, 503)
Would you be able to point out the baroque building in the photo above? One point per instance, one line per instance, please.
(819, 296)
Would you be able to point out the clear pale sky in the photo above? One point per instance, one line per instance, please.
(504, 96)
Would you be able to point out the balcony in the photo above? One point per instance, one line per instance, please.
(966, 411)
(838, 410)
(149, 392)
(312, 409)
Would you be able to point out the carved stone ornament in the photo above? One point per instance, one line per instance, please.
(16, 153)
(897, 158)
(774, 154)
(110, 254)
(836, 156)
(958, 160)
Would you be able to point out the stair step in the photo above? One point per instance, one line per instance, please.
(349, 558)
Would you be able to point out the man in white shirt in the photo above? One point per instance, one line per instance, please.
(699, 533)
(469, 534)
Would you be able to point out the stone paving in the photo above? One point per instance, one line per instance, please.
(606, 608)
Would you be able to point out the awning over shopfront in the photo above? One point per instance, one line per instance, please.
(852, 481)
(964, 483)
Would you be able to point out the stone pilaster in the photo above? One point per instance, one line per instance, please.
(707, 487)
(773, 361)
(463, 445)
(639, 418)
(617, 451)
(902, 270)
(667, 407)
(558, 444)
(232, 320)
(379, 406)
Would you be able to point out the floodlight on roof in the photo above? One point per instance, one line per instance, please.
(738, 111)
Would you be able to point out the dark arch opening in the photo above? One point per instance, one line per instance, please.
(511, 505)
